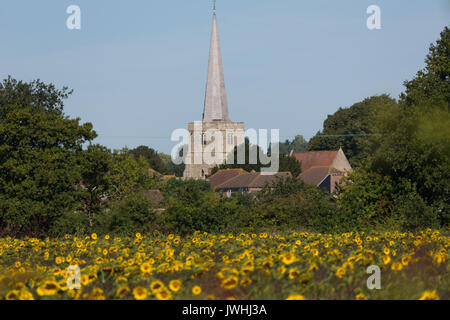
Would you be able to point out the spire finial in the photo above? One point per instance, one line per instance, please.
(214, 6)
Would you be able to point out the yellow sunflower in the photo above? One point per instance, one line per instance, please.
(340, 272)
(397, 266)
(429, 295)
(230, 282)
(163, 294)
(361, 296)
(12, 295)
(146, 267)
(296, 297)
(156, 286)
(287, 258)
(140, 293)
(121, 291)
(196, 290)
(293, 273)
(175, 285)
(48, 288)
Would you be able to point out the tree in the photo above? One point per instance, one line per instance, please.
(154, 160)
(40, 156)
(96, 164)
(298, 144)
(246, 148)
(414, 149)
(134, 213)
(286, 163)
(128, 175)
(290, 164)
(353, 129)
(432, 83)
(176, 169)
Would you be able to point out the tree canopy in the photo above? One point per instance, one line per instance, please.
(41, 151)
(353, 129)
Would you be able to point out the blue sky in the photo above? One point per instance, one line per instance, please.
(138, 68)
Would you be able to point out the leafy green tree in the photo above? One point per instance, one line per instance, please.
(193, 206)
(189, 190)
(128, 175)
(414, 149)
(365, 199)
(298, 144)
(249, 149)
(96, 164)
(286, 163)
(176, 169)
(40, 156)
(290, 164)
(154, 160)
(133, 213)
(293, 205)
(432, 84)
(353, 129)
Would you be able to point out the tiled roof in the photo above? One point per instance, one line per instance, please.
(252, 180)
(310, 159)
(222, 176)
(261, 180)
(316, 175)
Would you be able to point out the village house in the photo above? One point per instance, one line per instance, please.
(324, 168)
(233, 181)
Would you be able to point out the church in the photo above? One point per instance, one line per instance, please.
(215, 137)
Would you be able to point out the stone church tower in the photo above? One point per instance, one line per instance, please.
(216, 123)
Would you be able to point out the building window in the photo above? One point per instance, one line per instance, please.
(204, 138)
(203, 173)
(230, 138)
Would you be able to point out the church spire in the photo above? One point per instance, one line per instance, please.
(216, 106)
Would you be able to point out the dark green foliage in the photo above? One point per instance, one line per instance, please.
(40, 156)
(134, 213)
(290, 164)
(432, 83)
(189, 190)
(210, 213)
(96, 164)
(298, 144)
(249, 149)
(366, 199)
(152, 157)
(193, 206)
(414, 149)
(176, 169)
(159, 162)
(294, 205)
(286, 163)
(71, 222)
(353, 129)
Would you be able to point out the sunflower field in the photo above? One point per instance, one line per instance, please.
(244, 266)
